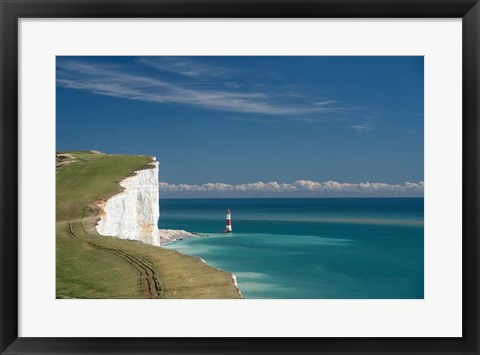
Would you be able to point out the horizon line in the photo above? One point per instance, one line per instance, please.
(292, 197)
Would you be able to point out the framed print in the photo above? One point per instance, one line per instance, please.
(255, 177)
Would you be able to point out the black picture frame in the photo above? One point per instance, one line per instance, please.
(13, 10)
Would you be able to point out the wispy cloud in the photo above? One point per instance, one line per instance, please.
(298, 188)
(366, 123)
(118, 82)
(362, 128)
(325, 103)
(184, 66)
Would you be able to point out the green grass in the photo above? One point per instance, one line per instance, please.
(93, 266)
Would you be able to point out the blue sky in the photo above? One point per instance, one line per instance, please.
(223, 126)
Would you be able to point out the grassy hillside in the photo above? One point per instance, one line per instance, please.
(93, 266)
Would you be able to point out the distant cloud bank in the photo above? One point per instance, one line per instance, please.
(299, 188)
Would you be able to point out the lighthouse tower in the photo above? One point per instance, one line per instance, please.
(228, 228)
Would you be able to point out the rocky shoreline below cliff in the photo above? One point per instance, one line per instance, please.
(168, 236)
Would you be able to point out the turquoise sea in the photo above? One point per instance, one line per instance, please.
(357, 248)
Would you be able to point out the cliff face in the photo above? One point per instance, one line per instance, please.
(133, 213)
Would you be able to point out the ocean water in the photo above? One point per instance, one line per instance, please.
(334, 248)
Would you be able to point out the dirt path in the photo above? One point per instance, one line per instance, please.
(146, 269)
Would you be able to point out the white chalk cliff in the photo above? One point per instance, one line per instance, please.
(133, 213)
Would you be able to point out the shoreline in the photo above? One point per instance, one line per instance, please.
(233, 277)
(168, 236)
(172, 235)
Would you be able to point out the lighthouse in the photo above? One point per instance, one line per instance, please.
(228, 228)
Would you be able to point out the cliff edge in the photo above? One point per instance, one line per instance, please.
(133, 214)
(117, 195)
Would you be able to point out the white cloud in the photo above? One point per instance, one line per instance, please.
(297, 188)
(184, 66)
(363, 127)
(113, 80)
(326, 102)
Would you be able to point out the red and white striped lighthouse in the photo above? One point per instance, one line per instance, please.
(228, 228)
